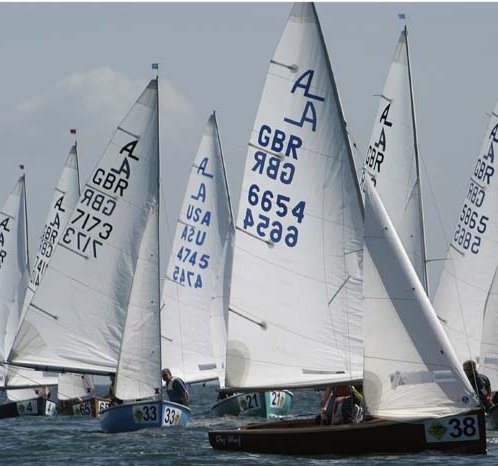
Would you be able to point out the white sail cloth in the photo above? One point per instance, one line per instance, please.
(195, 294)
(80, 325)
(411, 369)
(14, 268)
(296, 290)
(75, 386)
(14, 275)
(466, 295)
(392, 158)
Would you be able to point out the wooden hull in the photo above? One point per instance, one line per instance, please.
(91, 407)
(142, 415)
(258, 404)
(34, 407)
(464, 433)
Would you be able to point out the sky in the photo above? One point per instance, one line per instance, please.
(82, 65)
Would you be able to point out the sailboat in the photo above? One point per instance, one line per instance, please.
(104, 317)
(465, 299)
(296, 290)
(75, 392)
(27, 390)
(393, 160)
(418, 400)
(416, 392)
(195, 294)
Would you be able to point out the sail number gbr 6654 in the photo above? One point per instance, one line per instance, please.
(272, 215)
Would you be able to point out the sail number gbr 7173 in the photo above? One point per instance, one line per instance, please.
(91, 223)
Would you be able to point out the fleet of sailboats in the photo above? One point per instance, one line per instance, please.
(296, 293)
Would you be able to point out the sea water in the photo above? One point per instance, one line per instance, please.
(72, 441)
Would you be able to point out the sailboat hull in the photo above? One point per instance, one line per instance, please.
(142, 415)
(34, 407)
(464, 433)
(259, 404)
(91, 407)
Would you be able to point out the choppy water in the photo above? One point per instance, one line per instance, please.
(72, 441)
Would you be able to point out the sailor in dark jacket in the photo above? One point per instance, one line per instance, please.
(480, 383)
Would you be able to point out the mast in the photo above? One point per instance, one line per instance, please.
(158, 222)
(26, 217)
(425, 281)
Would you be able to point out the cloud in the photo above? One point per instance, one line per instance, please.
(95, 93)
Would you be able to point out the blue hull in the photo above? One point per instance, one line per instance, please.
(142, 415)
(258, 404)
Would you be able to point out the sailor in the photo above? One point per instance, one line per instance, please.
(175, 388)
(342, 404)
(480, 383)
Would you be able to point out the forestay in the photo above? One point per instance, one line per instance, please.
(76, 319)
(392, 158)
(195, 295)
(411, 370)
(295, 306)
(466, 294)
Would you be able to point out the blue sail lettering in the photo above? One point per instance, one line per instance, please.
(276, 140)
(206, 219)
(308, 76)
(309, 115)
(193, 213)
(202, 168)
(201, 193)
(275, 168)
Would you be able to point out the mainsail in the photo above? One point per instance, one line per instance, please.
(195, 295)
(392, 158)
(295, 316)
(76, 319)
(466, 291)
(411, 370)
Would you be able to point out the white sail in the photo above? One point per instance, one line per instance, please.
(66, 195)
(75, 386)
(195, 296)
(466, 282)
(392, 158)
(76, 319)
(139, 369)
(296, 298)
(14, 275)
(411, 369)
